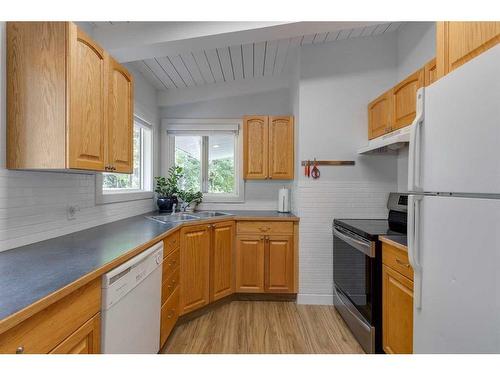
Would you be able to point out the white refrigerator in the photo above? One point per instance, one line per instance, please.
(454, 210)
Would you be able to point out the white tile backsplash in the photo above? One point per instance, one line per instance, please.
(317, 204)
(33, 206)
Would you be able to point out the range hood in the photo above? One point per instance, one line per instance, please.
(388, 142)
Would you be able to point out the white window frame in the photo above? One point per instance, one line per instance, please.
(125, 195)
(206, 125)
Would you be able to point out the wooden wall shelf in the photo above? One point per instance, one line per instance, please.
(327, 162)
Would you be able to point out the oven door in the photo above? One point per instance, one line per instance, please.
(354, 271)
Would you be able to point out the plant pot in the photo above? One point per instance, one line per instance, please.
(165, 204)
(191, 207)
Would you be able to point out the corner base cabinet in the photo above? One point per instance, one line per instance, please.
(69, 104)
(266, 254)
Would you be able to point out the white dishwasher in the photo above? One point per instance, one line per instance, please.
(131, 302)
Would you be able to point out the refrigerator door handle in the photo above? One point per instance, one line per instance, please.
(414, 147)
(414, 246)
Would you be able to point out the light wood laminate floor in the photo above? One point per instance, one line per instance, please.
(264, 327)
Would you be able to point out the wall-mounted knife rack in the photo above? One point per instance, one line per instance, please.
(328, 162)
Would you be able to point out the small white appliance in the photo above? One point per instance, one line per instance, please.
(131, 298)
(454, 210)
(284, 200)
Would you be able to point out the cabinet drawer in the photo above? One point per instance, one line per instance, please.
(171, 243)
(170, 263)
(397, 260)
(170, 282)
(265, 227)
(46, 329)
(169, 315)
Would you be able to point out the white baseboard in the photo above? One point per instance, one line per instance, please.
(315, 299)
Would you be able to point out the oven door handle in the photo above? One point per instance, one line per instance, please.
(367, 247)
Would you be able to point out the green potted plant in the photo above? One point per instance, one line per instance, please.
(167, 189)
(191, 199)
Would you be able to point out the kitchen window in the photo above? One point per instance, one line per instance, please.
(117, 187)
(209, 153)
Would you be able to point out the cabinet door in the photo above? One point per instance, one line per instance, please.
(404, 100)
(120, 122)
(430, 72)
(379, 116)
(281, 147)
(250, 264)
(195, 267)
(86, 340)
(255, 147)
(88, 100)
(168, 316)
(397, 314)
(459, 42)
(279, 264)
(222, 261)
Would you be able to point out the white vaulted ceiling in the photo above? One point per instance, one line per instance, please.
(191, 65)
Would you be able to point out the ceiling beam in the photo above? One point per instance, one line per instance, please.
(145, 40)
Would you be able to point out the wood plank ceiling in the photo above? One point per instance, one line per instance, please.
(232, 63)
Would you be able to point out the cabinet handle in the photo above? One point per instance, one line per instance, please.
(172, 263)
(20, 350)
(402, 263)
(170, 314)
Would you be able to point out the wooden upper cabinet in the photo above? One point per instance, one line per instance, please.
(256, 147)
(430, 72)
(268, 151)
(279, 264)
(459, 42)
(62, 91)
(379, 116)
(404, 100)
(397, 312)
(250, 263)
(222, 261)
(281, 147)
(195, 268)
(120, 120)
(88, 94)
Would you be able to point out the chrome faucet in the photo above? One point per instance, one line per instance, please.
(174, 206)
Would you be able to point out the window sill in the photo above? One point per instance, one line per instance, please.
(123, 196)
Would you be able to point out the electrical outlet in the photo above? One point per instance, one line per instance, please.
(71, 211)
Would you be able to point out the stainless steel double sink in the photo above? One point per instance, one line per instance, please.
(182, 216)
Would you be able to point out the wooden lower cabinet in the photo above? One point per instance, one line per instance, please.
(86, 340)
(68, 325)
(222, 261)
(169, 315)
(397, 301)
(250, 263)
(195, 268)
(279, 264)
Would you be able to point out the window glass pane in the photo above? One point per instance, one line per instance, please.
(133, 181)
(188, 156)
(221, 163)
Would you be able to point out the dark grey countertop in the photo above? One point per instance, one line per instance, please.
(399, 238)
(32, 272)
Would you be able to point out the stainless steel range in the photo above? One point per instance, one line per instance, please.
(357, 270)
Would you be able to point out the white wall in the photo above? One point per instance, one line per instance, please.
(259, 195)
(337, 80)
(416, 46)
(33, 204)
